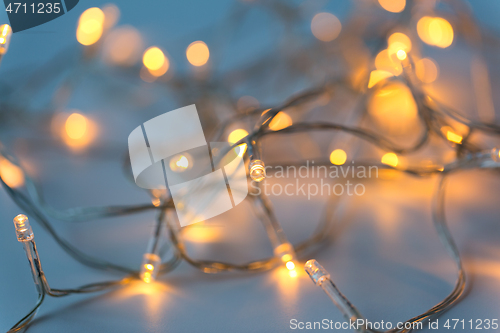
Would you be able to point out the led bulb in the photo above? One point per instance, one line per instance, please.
(150, 266)
(5, 34)
(316, 272)
(286, 253)
(495, 154)
(257, 170)
(23, 228)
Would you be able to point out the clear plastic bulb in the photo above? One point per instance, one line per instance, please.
(286, 253)
(257, 170)
(23, 228)
(316, 272)
(150, 267)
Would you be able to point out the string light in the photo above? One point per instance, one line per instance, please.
(197, 53)
(257, 170)
(280, 121)
(155, 61)
(396, 105)
(12, 175)
(5, 35)
(338, 157)
(90, 26)
(393, 6)
(435, 31)
(390, 159)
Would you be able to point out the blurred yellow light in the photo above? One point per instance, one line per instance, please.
(325, 26)
(401, 55)
(90, 26)
(122, 46)
(426, 70)
(390, 159)
(156, 202)
(280, 121)
(292, 273)
(435, 31)
(237, 135)
(197, 53)
(290, 265)
(378, 75)
(399, 41)
(6, 30)
(147, 277)
(149, 267)
(202, 234)
(286, 257)
(153, 58)
(179, 163)
(383, 61)
(338, 157)
(393, 6)
(453, 137)
(11, 174)
(76, 126)
(393, 108)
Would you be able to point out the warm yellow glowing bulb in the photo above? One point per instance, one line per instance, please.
(147, 277)
(390, 159)
(453, 137)
(384, 61)
(11, 174)
(290, 265)
(6, 33)
(76, 126)
(338, 157)
(237, 135)
(401, 54)
(149, 267)
(393, 108)
(197, 53)
(377, 76)
(156, 202)
(257, 170)
(153, 58)
(399, 41)
(435, 31)
(179, 163)
(325, 26)
(280, 121)
(90, 26)
(393, 6)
